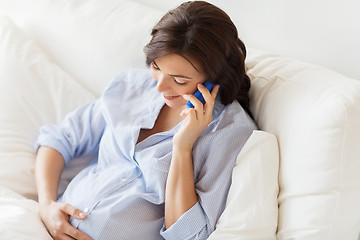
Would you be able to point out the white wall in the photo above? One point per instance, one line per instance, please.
(324, 32)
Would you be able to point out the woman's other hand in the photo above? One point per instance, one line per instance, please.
(197, 118)
(56, 216)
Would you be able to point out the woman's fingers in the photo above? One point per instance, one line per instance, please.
(196, 118)
(201, 110)
(209, 100)
(215, 91)
(209, 97)
(191, 112)
(64, 237)
(56, 215)
(64, 230)
(184, 112)
(69, 230)
(76, 234)
(73, 211)
(197, 104)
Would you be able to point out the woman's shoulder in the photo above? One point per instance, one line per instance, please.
(240, 115)
(231, 124)
(232, 116)
(224, 137)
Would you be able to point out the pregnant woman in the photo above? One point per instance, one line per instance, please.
(161, 170)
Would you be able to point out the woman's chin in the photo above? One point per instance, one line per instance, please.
(176, 103)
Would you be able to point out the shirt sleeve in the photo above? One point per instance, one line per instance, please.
(78, 135)
(214, 158)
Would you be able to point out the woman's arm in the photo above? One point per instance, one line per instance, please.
(48, 168)
(180, 193)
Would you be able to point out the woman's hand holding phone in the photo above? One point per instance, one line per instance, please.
(199, 96)
(197, 118)
(180, 193)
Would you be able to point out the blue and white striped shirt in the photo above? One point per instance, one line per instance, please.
(123, 189)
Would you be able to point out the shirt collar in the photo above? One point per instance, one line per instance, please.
(155, 105)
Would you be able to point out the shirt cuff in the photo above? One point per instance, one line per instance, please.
(187, 226)
(54, 144)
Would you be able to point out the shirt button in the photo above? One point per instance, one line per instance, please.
(86, 210)
(123, 180)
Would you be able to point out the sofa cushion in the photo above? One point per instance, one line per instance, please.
(33, 91)
(92, 40)
(19, 218)
(252, 208)
(315, 113)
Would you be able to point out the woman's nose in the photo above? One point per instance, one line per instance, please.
(162, 84)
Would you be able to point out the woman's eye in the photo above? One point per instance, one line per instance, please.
(179, 81)
(155, 66)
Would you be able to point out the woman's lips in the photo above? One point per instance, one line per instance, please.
(171, 97)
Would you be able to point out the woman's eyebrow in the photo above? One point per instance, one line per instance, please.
(179, 76)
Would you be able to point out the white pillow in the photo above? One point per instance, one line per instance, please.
(92, 40)
(19, 218)
(33, 91)
(252, 209)
(315, 113)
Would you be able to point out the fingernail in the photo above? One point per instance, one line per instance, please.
(200, 85)
(186, 96)
(82, 215)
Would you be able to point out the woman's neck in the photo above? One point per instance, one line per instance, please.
(167, 119)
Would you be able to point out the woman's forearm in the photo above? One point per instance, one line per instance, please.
(48, 168)
(180, 193)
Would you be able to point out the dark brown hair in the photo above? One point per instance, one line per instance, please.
(205, 33)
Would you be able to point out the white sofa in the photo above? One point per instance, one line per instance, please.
(297, 178)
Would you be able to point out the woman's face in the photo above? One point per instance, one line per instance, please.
(176, 76)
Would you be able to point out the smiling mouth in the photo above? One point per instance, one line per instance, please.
(171, 97)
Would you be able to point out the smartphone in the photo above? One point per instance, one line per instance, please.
(199, 96)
